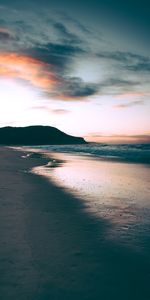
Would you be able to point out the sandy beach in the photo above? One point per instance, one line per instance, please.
(51, 248)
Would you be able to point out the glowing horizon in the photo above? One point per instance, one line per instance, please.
(23, 105)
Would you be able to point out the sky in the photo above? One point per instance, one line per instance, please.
(80, 66)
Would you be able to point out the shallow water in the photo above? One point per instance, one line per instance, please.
(116, 191)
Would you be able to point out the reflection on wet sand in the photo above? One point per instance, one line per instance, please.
(116, 191)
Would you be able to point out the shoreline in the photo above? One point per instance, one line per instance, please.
(137, 154)
(52, 249)
(108, 190)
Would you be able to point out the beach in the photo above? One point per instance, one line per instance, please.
(52, 247)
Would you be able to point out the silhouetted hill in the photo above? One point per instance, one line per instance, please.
(36, 135)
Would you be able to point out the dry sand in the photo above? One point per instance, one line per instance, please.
(50, 248)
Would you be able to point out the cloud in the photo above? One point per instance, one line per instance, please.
(46, 68)
(73, 87)
(29, 69)
(42, 75)
(84, 29)
(120, 82)
(122, 56)
(45, 72)
(6, 35)
(57, 54)
(129, 104)
(60, 111)
(116, 85)
(130, 61)
(57, 111)
(65, 34)
(55, 47)
(140, 67)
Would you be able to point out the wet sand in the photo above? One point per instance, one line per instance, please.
(116, 191)
(51, 248)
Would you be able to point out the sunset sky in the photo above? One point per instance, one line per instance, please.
(80, 66)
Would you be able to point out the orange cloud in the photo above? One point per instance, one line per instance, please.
(23, 67)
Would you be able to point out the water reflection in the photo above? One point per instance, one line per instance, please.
(115, 191)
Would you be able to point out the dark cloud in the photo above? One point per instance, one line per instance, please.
(6, 35)
(57, 55)
(63, 49)
(116, 86)
(124, 57)
(140, 67)
(110, 82)
(77, 88)
(130, 61)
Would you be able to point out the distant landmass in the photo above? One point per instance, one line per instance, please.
(36, 135)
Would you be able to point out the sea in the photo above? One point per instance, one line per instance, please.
(139, 153)
(112, 181)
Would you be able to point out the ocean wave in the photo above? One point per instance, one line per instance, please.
(139, 153)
